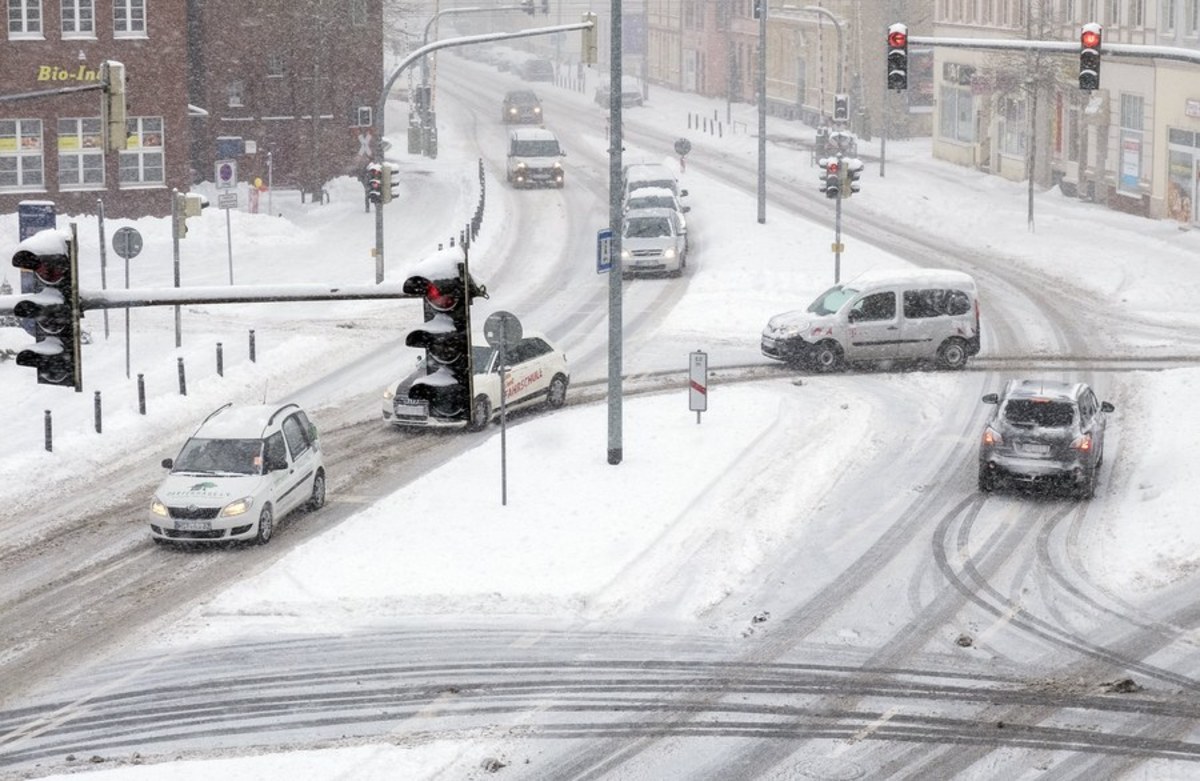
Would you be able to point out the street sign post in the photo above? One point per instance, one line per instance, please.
(698, 383)
(225, 174)
(502, 329)
(127, 243)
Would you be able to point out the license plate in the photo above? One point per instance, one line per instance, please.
(1035, 449)
(411, 408)
(193, 526)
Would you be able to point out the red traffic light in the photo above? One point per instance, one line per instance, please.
(1090, 39)
(832, 167)
(897, 39)
(442, 300)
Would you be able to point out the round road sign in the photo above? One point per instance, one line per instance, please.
(127, 242)
(502, 328)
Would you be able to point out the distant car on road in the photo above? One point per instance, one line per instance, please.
(521, 106)
(654, 242)
(631, 92)
(243, 469)
(535, 372)
(1044, 434)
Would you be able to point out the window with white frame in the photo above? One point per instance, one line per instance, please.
(235, 93)
(129, 18)
(1132, 112)
(24, 18)
(957, 120)
(1191, 17)
(276, 66)
(80, 153)
(1167, 12)
(142, 160)
(1013, 127)
(1089, 12)
(78, 18)
(1114, 12)
(21, 161)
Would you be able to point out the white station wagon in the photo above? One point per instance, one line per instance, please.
(242, 469)
(536, 372)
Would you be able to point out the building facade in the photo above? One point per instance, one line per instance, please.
(1133, 144)
(51, 147)
(288, 89)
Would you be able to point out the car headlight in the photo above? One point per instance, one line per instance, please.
(626, 254)
(669, 252)
(520, 166)
(239, 507)
(389, 394)
(558, 166)
(158, 508)
(537, 109)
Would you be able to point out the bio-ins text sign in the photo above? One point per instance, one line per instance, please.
(59, 73)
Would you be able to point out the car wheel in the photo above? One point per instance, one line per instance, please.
(266, 526)
(557, 395)
(826, 357)
(481, 415)
(952, 354)
(1087, 487)
(318, 491)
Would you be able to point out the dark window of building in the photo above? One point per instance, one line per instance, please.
(129, 18)
(24, 18)
(78, 18)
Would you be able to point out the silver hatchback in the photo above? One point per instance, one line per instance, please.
(1044, 434)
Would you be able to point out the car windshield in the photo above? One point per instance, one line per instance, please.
(1039, 413)
(832, 300)
(234, 456)
(540, 148)
(647, 227)
(652, 202)
(481, 358)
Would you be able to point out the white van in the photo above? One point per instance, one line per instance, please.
(918, 315)
(534, 158)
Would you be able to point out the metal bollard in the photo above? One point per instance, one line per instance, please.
(97, 415)
(220, 361)
(142, 394)
(49, 433)
(251, 345)
(182, 380)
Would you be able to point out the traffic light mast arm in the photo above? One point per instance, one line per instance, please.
(1069, 47)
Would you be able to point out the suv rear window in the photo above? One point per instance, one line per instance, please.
(535, 148)
(1043, 414)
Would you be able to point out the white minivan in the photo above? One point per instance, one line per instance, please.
(915, 315)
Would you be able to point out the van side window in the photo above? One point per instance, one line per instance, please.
(297, 437)
(922, 303)
(877, 306)
(957, 302)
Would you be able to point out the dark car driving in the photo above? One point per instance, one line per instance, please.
(1044, 434)
(521, 106)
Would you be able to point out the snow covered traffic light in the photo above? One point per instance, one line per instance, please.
(852, 168)
(112, 107)
(1089, 56)
(897, 57)
(831, 180)
(841, 108)
(51, 256)
(375, 183)
(447, 388)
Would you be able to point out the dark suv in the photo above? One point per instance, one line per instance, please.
(1044, 433)
(521, 106)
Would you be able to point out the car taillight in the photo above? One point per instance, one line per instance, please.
(1083, 444)
(991, 437)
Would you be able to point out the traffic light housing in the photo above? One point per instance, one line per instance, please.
(897, 58)
(447, 388)
(1089, 56)
(186, 205)
(841, 108)
(375, 183)
(851, 169)
(52, 258)
(391, 182)
(757, 11)
(112, 106)
(588, 47)
(831, 180)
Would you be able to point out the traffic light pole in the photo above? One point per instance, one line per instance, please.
(381, 106)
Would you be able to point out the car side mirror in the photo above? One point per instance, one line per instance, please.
(168, 463)
(991, 398)
(1106, 406)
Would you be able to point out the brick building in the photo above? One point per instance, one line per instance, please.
(297, 79)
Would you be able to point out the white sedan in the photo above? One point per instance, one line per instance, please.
(535, 372)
